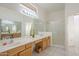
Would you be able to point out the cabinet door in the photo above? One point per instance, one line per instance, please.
(44, 44)
(27, 52)
(22, 53)
(48, 41)
(28, 46)
(3, 54)
(16, 50)
(14, 54)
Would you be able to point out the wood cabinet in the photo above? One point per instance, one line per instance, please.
(22, 53)
(4, 53)
(13, 35)
(16, 35)
(16, 50)
(27, 51)
(46, 42)
(28, 46)
(24, 50)
(41, 45)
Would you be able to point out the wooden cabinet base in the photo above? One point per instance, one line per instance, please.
(3, 54)
(40, 46)
(26, 50)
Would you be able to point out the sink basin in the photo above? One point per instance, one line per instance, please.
(8, 42)
(8, 46)
(14, 42)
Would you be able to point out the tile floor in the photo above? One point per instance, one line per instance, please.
(58, 51)
(73, 51)
(51, 51)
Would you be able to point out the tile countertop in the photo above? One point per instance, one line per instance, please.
(21, 41)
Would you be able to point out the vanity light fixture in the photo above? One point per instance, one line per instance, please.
(28, 12)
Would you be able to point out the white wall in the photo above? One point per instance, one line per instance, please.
(72, 28)
(41, 22)
(57, 27)
(71, 13)
(8, 14)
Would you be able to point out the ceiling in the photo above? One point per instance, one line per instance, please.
(11, 6)
(51, 6)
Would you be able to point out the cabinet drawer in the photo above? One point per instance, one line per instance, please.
(22, 53)
(3, 53)
(14, 55)
(16, 50)
(28, 45)
(27, 52)
(37, 41)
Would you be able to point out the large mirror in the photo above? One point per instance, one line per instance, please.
(0, 29)
(10, 29)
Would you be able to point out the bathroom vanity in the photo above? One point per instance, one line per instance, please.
(24, 46)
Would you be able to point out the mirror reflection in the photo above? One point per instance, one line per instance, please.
(10, 29)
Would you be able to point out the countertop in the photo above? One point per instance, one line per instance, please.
(21, 41)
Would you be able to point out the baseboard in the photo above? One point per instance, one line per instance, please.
(60, 46)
